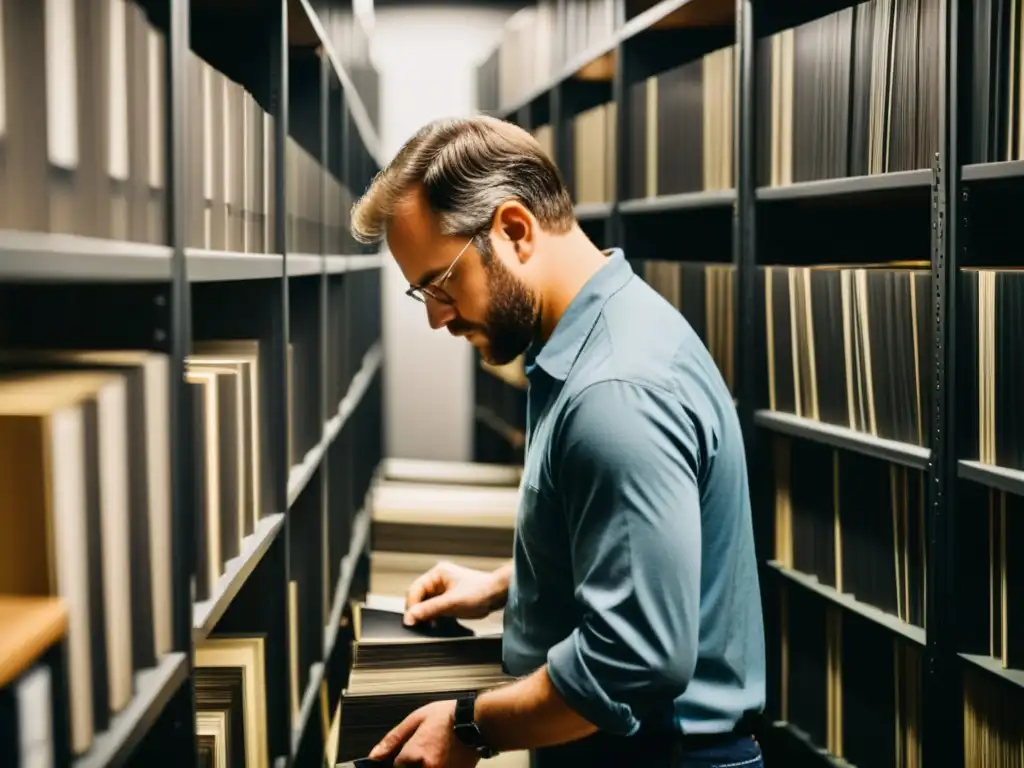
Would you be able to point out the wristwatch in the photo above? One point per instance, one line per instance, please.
(466, 729)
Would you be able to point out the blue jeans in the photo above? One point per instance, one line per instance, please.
(604, 751)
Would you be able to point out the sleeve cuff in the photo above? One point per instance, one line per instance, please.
(569, 674)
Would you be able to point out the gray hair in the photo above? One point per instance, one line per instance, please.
(467, 168)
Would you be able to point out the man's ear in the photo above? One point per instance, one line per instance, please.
(516, 224)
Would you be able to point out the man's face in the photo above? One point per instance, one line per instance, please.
(480, 298)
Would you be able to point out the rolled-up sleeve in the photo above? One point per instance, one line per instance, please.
(628, 462)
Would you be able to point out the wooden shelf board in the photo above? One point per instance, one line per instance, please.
(31, 625)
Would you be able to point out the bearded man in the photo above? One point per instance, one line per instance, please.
(631, 606)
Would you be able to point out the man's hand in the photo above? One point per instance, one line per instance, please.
(426, 739)
(451, 590)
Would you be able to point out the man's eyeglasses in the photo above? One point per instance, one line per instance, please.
(434, 289)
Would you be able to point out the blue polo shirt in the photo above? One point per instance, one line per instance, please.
(635, 578)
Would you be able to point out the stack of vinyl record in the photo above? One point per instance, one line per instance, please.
(397, 669)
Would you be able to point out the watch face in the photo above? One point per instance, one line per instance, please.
(468, 734)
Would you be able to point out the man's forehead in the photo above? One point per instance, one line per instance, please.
(412, 235)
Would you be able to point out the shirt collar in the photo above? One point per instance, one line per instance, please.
(556, 356)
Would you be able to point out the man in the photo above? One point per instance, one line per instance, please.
(632, 608)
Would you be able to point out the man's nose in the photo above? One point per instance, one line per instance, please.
(438, 314)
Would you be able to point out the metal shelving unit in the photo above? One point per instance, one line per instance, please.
(943, 197)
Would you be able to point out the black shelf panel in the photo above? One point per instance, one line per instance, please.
(850, 603)
(995, 667)
(206, 614)
(44, 256)
(719, 198)
(154, 689)
(991, 476)
(848, 439)
(1003, 171)
(218, 266)
(853, 187)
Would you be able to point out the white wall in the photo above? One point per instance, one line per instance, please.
(426, 55)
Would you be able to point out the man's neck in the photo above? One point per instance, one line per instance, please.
(577, 260)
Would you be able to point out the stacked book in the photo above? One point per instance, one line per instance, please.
(446, 514)
(398, 669)
(424, 512)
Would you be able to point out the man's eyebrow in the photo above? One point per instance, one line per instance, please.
(427, 276)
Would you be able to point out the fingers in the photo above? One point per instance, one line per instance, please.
(431, 609)
(432, 583)
(397, 736)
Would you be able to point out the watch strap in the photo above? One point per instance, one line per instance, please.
(466, 729)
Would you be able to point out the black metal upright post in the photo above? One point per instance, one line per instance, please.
(327, 590)
(279, 100)
(624, 66)
(943, 744)
(744, 232)
(183, 750)
(280, 732)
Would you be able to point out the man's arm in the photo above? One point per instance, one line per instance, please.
(629, 471)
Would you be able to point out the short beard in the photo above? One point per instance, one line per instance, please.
(513, 314)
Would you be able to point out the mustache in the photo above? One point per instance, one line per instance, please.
(460, 327)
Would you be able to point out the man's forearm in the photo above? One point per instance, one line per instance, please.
(502, 577)
(528, 714)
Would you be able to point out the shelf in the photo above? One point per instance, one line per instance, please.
(1003, 171)
(300, 474)
(1000, 478)
(673, 14)
(302, 264)
(309, 699)
(217, 266)
(995, 667)
(206, 614)
(337, 265)
(368, 261)
(851, 187)
(511, 373)
(850, 603)
(354, 101)
(593, 211)
(567, 72)
(513, 436)
(357, 545)
(718, 198)
(804, 741)
(848, 439)
(153, 689)
(41, 256)
(371, 362)
(707, 17)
